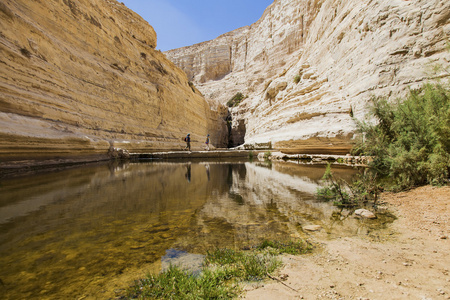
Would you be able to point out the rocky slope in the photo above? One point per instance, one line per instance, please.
(78, 76)
(308, 66)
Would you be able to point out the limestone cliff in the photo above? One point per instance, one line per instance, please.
(307, 66)
(80, 75)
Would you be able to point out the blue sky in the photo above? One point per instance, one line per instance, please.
(181, 23)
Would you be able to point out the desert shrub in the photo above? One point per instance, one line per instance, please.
(267, 155)
(236, 99)
(361, 190)
(297, 78)
(335, 190)
(410, 141)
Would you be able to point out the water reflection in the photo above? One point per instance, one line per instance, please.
(86, 232)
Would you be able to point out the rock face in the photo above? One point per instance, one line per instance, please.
(308, 66)
(79, 76)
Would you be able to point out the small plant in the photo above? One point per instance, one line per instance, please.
(267, 155)
(243, 265)
(297, 78)
(175, 283)
(366, 187)
(256, 267)
(290, 247)
(223, 256)
(251, 155)
(343, 194)
(335, 190)
(236, 100)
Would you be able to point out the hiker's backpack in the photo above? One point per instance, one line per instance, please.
(185, 139)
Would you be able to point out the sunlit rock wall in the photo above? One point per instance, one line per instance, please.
(307, 66)
(79, 75)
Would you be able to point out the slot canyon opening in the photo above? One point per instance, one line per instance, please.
(236, 131)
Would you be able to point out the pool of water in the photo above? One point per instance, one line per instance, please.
(87, 233)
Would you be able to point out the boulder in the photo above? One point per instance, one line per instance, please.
(364, 213)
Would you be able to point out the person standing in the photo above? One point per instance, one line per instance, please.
(187, 139)
(207, 142)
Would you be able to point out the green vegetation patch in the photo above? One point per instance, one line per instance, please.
(244, 265)
(289, 247)
(361, 190)
(223, 271)
(236, 100)
(267, 155)
(410, 142)
(175, 283)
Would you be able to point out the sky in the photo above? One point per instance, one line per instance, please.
(180, 23)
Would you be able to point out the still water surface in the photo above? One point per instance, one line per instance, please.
(85, 233)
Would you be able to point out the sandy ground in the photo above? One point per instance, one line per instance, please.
(409, 260)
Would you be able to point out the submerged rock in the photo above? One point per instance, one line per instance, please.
(312, 227)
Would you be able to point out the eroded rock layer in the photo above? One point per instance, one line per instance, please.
(309, 66)
(78, 76)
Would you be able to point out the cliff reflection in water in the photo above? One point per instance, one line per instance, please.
(88, 231)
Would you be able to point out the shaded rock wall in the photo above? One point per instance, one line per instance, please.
(79, 75)
(307, 63)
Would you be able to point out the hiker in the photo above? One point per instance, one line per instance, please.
(207, 142)
(187, 139)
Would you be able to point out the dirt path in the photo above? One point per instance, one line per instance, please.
(411, 262)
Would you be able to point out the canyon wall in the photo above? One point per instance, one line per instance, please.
(78, 76)
(309, 67)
